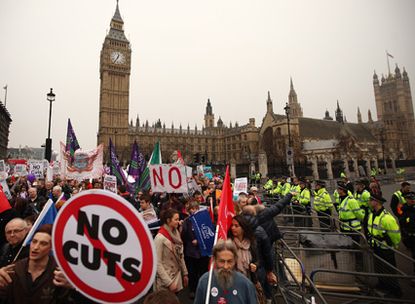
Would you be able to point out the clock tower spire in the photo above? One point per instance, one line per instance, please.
(115, 67)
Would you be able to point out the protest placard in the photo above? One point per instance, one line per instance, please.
(240, 185)
(104, 247)
(36, 167)
(110, 183)
(20, 170)
(168, 178)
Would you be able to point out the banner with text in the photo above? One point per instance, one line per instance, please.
(110, 183)
(168, 178)
(36, 167)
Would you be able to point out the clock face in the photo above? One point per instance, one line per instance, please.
(117, 57)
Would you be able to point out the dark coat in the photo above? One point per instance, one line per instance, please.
(5, 217)
(265, 218)
(8, 253)
(264, 248)
(188, 236)
(42, 291)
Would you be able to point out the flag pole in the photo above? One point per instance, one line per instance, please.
(35, 226)
(387, 59)
(5, 95)
(211, 268)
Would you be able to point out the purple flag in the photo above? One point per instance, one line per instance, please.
(133, 169)
(115, 168)
(71, 142)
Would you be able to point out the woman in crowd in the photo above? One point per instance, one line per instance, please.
(243, 236)
(171, 268)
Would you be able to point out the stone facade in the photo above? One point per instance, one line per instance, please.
(395, 113)
(323, 148)
(115, 67)
(5, 120)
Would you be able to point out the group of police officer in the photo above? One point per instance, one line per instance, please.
(358, 210)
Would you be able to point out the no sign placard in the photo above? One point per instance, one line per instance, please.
(104, 247)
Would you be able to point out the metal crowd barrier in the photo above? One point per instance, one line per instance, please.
(334, 274)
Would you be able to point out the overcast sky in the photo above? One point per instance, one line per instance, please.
(186, 51)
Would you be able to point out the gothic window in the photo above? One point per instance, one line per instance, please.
(395, 106)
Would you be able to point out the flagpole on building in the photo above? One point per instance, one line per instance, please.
(387, 60)
(5, 96)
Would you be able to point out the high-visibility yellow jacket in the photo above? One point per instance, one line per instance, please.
(304, 197)
(277, 189)
(363, 198)
(350, 214)
(269, 185)
(285, 189)
(296, 189)
(322, 200)
(383, 230)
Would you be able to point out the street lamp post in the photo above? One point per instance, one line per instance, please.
(48, 147)
(290, 155)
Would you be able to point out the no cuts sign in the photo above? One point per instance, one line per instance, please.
(104, 247)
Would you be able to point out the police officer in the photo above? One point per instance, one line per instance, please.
(322, 203)
(383, 233)
(303, 200)
(350, 213)
(269, 185)
(397, 200)
(258, 176)
(362, 195)
(285, 186)
(348, 183)
(407, 223)
(276, 191)
(336, 196)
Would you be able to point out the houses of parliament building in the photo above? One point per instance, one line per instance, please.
(322, 148)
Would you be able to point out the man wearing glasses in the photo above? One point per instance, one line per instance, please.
(15, 231)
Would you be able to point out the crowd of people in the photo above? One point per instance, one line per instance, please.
(360, 210)
(244, 264)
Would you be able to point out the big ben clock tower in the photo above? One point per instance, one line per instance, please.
(115, 66)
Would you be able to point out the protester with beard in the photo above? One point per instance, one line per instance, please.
(227, 285)
(171, 268)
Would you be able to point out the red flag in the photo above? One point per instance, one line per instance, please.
(180, 160)
(4, 202)
(226, 209)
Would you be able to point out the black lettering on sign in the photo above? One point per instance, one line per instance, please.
(122, 232)
(83, 222)
(96, 257)
(112, 258)
(128, 265)
(67, 251)
(114, 232)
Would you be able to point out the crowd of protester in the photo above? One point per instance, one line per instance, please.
(180, 263)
